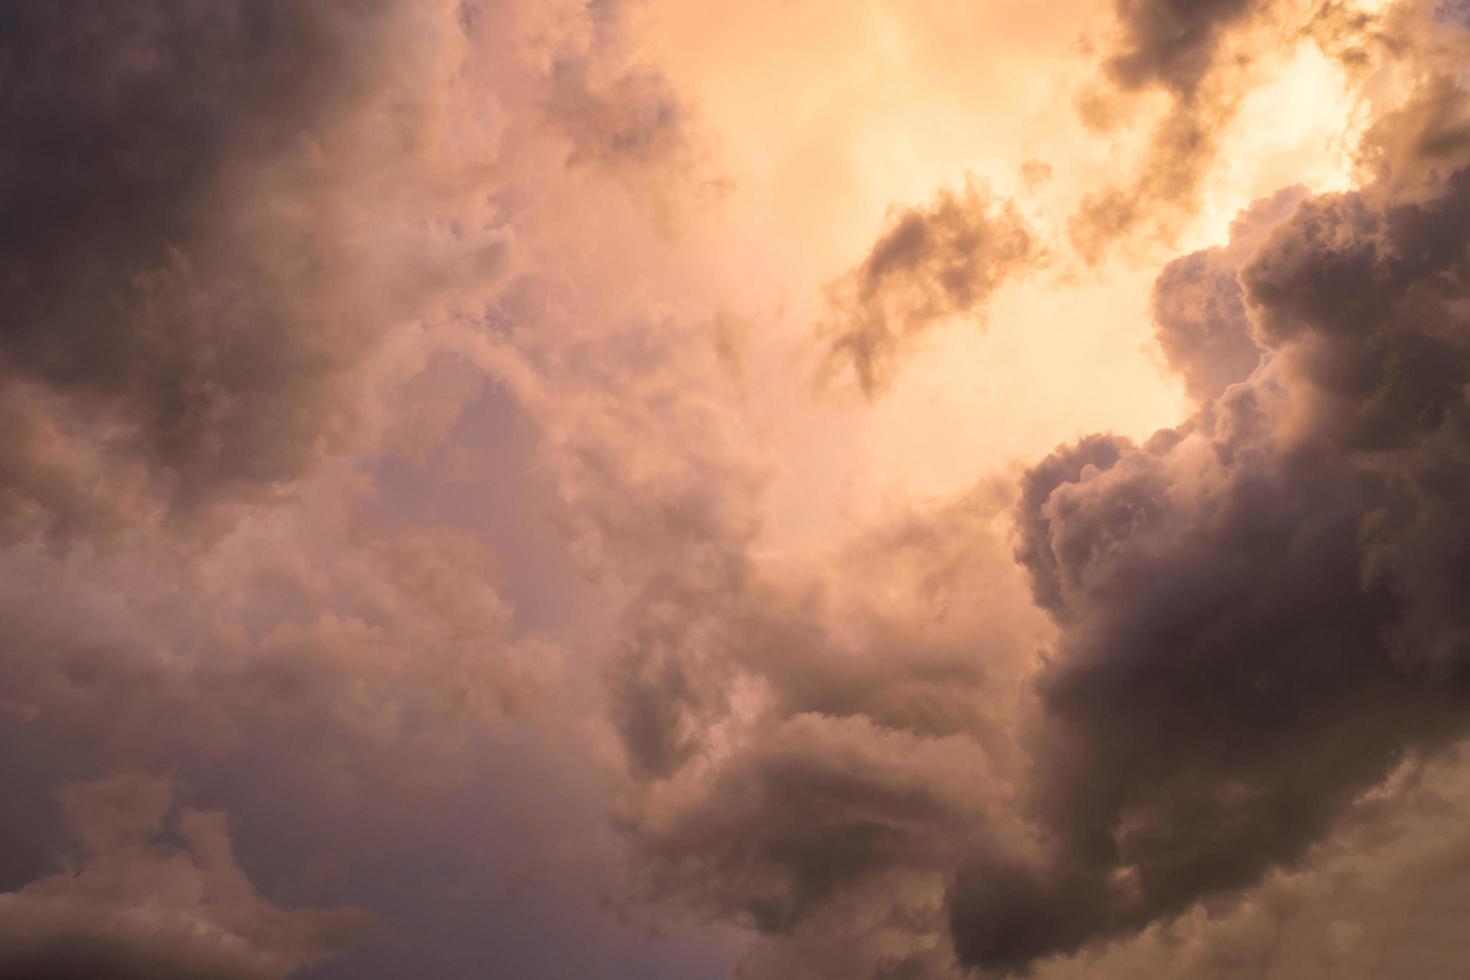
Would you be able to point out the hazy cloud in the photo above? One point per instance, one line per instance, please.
(139, 905)
(453, 530)
(936, 261)
(1204, 57)
(191, 287)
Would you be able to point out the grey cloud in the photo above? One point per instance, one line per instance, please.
(1184, 49)
(802, 741)
(812, 752)
(1376, 899)
(229, 212)
(349, 694)
(943, 259)
(1180, 48)
(221, 214)
(120, 121)
(1173, 43)
(817, 807)
(136, 906)
(178, 193)
(666, 684)
(1254, 608)
(807, 750)
(1199, 306)
(84, 957)
(702, 614)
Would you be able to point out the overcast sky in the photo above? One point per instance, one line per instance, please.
(791, 490)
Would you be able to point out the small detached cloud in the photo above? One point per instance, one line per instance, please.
(932, 262)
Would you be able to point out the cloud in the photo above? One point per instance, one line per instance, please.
(246, 239)
(313, 308)
(817, 807)
(1178, 48)
(206, 236)
(815, 746)
(940, 260)
(1254, 607)
(138, 906)
(1204, 58)
(635, 116)
(1372, 901)
(1172, 43)
(1199, 306)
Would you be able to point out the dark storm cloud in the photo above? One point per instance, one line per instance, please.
(119, 118)
(935, 261)
(181, 298)
(1256, 609)
(82, 957)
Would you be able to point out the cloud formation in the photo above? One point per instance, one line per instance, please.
(420, 541)
(1253, 607)
(1199, 305)
(240, 238)
(203, 243)
(1172, 43)
(139, 907)
(1205, 59)
(940, 260)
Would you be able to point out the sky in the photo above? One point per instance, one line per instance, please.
(794, 490)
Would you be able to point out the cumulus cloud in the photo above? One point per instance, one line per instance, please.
(1199, 305)
(1254, 625)
(369, 289)
(1374, 900)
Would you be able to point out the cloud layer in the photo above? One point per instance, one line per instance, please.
(424, 551)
